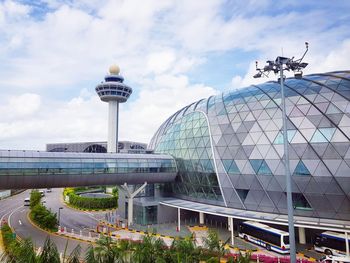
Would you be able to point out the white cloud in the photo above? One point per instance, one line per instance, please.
(161, 61)
(84, 118)
(157, 44)
(79, 119)
(26, 104)
(154, 105)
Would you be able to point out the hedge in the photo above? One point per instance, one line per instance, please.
(93, 203)
(40, 214)
(44, 218)
(90, 202)
(8, 238)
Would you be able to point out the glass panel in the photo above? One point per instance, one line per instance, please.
(279, 137)
(231, 167)
(318, 137)
(300, 202)
(260, 167)
(242, 193)
(264, 169)
(301, 170)
(327, 132)
(256, 165)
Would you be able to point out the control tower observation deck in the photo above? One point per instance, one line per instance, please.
(113, 91)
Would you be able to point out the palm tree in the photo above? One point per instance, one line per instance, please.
(185, 250)
(106, 251)
(124, 249)
(214, 244)
(24, 252)
(74, 256)
(90, 255)
(49, 253)
(150, 250)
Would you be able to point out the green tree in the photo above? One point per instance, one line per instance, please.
(49, 252)
(185, 250)
(106, 251)
(125, 248)
(44, 217)
(214, 244)
(35, 198)
(74, 257)
(24, 252)
(149, 250)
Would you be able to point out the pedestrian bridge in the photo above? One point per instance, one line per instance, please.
(35, 169)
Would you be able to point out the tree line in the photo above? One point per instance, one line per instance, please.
(108, 250)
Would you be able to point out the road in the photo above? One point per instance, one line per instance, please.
(13, 211)
(71, 218)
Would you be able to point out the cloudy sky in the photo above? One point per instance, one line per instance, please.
(172, 53)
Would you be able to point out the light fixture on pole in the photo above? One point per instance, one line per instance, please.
(278, 66)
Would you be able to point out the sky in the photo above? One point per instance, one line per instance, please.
(171, 52)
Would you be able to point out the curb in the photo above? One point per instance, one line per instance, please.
(2, 247)
(55, 233)
(306, 256)
(165, 236)
(89, 210)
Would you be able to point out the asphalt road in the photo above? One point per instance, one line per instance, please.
(71, 218)
(13, 211)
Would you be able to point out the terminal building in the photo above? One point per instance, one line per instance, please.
(219, 158)
(97, 147)
(229, 155)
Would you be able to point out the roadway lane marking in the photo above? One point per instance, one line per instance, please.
(9, 219)
(91, 216)
(4, 215)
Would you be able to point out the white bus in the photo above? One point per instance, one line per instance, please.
(331, 243)
(265, 236)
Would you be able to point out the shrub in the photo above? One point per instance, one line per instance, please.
(44, 217)
(93, 203)
(9, 240)
(35, 198)
(90, 202)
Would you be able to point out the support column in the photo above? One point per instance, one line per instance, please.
(302, 238)
(130, 211)
(232, 232)
(347, 244)
(201, 218)
(179, 219)
(131, 196)
(113, 108)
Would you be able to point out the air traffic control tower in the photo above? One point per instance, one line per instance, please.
(113, 91)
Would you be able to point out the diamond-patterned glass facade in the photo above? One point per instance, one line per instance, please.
(189, 141)
(243, 145)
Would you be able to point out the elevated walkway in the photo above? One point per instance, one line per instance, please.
(35, 169)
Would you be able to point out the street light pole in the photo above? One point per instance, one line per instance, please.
(279, 65)
(287, 170)
(59, 215)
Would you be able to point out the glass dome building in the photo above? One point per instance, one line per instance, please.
(229, 147)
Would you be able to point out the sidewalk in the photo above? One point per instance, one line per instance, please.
(199, 232)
